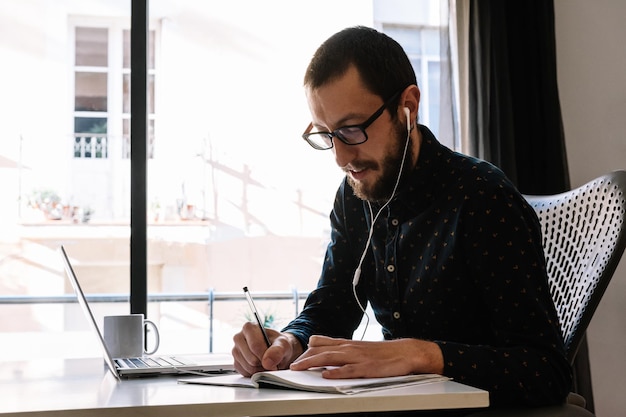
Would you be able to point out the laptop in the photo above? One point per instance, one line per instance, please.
(151, 365)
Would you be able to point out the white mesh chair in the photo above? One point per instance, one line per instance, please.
(584, 235)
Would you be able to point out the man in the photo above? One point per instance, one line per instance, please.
(442, 246)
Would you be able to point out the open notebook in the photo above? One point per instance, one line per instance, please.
(153, 364)
(312, 380)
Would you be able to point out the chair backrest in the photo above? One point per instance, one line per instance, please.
(584, 234)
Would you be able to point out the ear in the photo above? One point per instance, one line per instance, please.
(411, 99)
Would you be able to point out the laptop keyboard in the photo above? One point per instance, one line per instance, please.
(149, 362)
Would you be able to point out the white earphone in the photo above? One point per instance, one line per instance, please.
(357, 273)
(407, 112)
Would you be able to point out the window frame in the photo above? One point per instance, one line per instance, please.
(425, 59)
(116, 115)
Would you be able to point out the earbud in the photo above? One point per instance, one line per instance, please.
(407, 112)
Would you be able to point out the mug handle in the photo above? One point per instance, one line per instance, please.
(147, 322)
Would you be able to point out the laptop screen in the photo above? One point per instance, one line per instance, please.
(82, 300)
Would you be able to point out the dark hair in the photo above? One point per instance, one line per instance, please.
(382, 63)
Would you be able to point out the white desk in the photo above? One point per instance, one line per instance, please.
(82, 387)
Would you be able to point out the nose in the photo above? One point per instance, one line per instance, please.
(344, 154)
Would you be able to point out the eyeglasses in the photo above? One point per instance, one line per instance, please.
(350, 135)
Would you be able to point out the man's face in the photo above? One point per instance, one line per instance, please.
(372, 167)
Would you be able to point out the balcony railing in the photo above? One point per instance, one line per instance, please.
(210, 297)
(104, 146)
(91, 146)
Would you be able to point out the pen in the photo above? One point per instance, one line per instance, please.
(256, 315)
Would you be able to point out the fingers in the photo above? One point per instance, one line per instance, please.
(251, 354)
(248, 350)
(345, 358)
(320, 341)
(366, 359)
(246, 360)
(324, 351)
(345, 371)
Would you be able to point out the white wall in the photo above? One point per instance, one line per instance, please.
(591, 61)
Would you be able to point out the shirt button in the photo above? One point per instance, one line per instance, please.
(396, 315)
(391, 268)
(395, 222)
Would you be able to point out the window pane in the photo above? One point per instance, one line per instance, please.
(417, 67)
(422, 45)
(434, 94)
(90, 125)
(151, 46)
(92, 47)
(226, 207)
(126, 95)
(409, 38)
(432, 41)
(126, 98)
(151, 94)
(65, 187)
(126, 138)
(91, 91)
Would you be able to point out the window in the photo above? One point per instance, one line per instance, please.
(98, 115)
(421, 43)
(150, 92)
(91, 83)
(235, 196)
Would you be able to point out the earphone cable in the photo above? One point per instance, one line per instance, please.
(357, 272)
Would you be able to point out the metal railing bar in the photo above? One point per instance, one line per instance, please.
(210, 296)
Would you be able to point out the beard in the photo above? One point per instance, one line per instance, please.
(381, 190)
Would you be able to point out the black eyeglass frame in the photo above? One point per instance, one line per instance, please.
(337, 132)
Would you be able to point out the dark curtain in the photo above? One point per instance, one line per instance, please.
(514, 110)
(515, 115)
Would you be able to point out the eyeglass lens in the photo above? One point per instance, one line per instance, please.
(350, 135)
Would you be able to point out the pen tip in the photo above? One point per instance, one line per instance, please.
(245, 289)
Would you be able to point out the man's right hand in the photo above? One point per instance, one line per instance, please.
(252, 355)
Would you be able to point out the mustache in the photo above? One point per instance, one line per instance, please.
(360, 166)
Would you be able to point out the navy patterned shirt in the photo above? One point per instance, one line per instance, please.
(455, 258)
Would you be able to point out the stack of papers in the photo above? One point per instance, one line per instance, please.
(312, 380)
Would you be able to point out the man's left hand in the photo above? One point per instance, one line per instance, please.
(365, 359)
